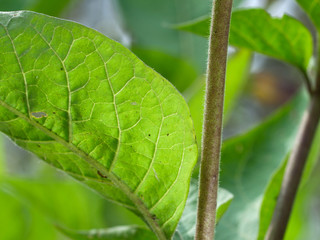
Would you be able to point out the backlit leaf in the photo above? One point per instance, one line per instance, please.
(87, 105)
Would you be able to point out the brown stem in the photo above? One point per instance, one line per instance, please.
(213, 118)
(294, 171)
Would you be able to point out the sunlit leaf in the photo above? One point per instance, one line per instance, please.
(87, 105)
(179, 72)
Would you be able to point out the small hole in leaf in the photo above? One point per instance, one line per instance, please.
(39, 114)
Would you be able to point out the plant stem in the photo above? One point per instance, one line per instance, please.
(294, 171)
(213, 119)
(296, 163)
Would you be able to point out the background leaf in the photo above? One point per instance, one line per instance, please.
(236, 78)
(312, 7)
(20, 222)
(270, 200)
(286, 38)
(90, 107)
(115, 233)
(187, 225)
(63, 202)
(299, 220)
(247, 164)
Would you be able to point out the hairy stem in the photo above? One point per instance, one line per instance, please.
(213, 115)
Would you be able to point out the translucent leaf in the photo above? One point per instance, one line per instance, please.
(284, 38)
(87, 105)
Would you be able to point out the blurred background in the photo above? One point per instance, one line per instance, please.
(34, 197)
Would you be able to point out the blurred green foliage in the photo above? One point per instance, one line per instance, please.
(252, 164)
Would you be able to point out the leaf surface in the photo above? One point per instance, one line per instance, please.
(312, 8)
(87, 105)
(247, 164)
(284, 38)
(178, 71)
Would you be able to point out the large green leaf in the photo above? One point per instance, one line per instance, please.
(312, 7)
(236, 77)
(247, 164)
(115, 233)
(87, 105)
(187, 225)
(178, 71)
(284, 38)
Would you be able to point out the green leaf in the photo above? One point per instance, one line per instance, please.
(298, 219)
(178, 71)
(270, 200)
(87, 105)
(53, 8)
(187, 225)
(236, 77)
(284, 38)
(20, 222)
(64, 202)
(312, 7)
(247, 164)
(115, 233)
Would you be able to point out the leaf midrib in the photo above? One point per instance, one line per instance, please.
(99, 167)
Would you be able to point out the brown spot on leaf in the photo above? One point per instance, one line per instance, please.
(101, 175)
